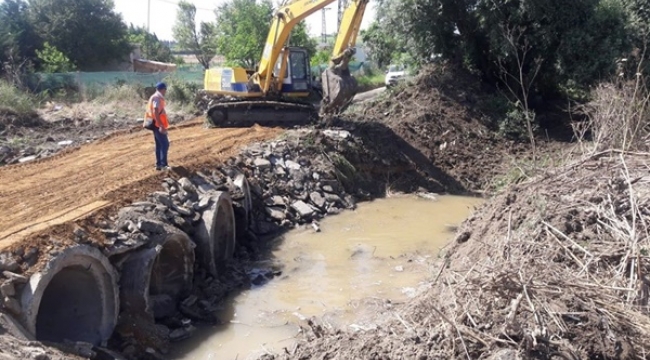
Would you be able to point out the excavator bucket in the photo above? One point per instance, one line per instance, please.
(339, 88)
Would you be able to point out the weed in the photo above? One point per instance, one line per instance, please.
(181, 92)
(118, 93)
(368, 82)
(345, 171)
(513, 124)
(17, 141)
(16, 100)
(524, 169)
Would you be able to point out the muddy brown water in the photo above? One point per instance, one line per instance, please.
(383, 250)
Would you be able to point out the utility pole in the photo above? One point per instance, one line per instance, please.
(341, 6)
(324, 27)
(148, 15)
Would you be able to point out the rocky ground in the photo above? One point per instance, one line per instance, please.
(11, 349)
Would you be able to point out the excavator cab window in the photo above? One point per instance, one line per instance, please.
(298, 62)
(300, 70)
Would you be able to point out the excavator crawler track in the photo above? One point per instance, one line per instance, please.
(239, 113)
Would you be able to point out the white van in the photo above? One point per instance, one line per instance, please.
(394, 74)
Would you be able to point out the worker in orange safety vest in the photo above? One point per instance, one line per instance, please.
(155, 119)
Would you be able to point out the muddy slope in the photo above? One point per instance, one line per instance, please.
(447, 116)
(554, 268)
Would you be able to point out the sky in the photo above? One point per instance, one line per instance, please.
(163, 15)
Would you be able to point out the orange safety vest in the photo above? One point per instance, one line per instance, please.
(164, 124)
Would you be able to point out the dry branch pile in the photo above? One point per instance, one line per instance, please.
(555, 268)
(618, 115)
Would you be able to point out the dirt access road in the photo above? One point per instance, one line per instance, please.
(75, 183)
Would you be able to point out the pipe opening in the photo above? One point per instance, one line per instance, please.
(169, 276)
(155, 279)
(71, 308)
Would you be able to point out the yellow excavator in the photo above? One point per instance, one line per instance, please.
(279, 91)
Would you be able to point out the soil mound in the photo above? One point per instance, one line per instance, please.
(554, 268)
(440, 115)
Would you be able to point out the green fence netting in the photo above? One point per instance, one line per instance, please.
(40, 82)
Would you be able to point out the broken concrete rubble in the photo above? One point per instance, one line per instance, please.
(8, 263)
(304, 210)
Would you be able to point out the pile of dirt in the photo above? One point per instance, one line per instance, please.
(556, 268)
(440, 115)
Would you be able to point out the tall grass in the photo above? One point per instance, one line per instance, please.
(115, 93)
(16, 100)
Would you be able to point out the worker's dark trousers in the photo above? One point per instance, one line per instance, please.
(162, 146)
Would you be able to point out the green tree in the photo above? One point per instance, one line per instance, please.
(151, 47)
(322, 57)
(300, 37)
(382, 45)
(53, 61)
(202, 42)
(17, 36)
(566, 42)
(242, 27)
(88, 32)
(639, 15)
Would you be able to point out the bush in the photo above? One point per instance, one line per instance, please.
(370, 81)
(54, 61)
(16, 100)
(180, 91)
(513, 124)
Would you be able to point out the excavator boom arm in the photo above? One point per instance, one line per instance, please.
(339, 86)
(285, 19)
(349, 28)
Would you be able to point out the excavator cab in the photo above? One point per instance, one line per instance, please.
(297, 80)
(279, 90)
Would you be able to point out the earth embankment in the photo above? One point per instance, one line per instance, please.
(119, 168)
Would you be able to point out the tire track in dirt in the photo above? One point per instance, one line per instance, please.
(64, 188)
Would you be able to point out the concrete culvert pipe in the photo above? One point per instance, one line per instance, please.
(155, 279)
(74, 297)
(241, 182)
(215, 233)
